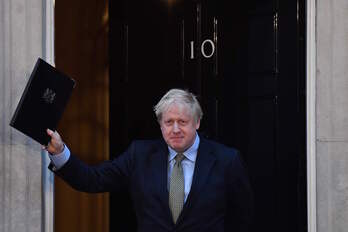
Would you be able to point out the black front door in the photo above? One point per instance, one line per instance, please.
(245, 60)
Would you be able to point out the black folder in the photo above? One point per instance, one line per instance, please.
(42, 102)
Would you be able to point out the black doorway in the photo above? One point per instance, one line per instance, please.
(245, 60)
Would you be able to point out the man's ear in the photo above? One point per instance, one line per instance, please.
(160, 124)
(198, 124)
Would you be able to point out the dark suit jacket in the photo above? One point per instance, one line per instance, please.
(220, 198)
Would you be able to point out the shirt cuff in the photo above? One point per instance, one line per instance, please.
(60, 159)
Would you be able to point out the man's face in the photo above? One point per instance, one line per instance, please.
(179, 127)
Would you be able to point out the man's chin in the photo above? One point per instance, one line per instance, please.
(177, 148)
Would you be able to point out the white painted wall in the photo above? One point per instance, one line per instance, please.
(332, 115)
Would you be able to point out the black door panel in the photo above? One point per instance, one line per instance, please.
(245, 60)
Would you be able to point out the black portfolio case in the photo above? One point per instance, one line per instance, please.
(43, 102)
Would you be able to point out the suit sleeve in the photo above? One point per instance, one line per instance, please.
(240, 202)
(107, 176)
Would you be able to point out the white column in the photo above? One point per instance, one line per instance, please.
(332, 115)
(21, 42)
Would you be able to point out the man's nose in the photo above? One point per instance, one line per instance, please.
(176, 128)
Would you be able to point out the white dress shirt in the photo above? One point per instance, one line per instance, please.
(60, 159)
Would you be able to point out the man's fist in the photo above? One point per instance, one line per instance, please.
(56, 145)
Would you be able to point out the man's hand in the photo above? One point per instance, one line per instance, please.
(56, 145)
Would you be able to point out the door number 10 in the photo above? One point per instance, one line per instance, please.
(205, 43)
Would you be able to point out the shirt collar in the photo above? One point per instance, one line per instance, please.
(190, 153)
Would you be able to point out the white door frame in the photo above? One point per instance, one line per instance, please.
(47, 176)
(311, 115)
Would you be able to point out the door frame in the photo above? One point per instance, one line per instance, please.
(311, 114)
(47, 176)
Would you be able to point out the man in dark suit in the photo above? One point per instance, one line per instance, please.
(179, 183)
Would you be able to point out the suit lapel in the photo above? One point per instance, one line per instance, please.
(204, 162)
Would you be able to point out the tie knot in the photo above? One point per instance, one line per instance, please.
(179, 157)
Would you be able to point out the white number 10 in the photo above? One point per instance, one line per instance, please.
(202, 48)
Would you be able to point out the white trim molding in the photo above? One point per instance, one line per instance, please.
(47, 176)
(311, 116)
